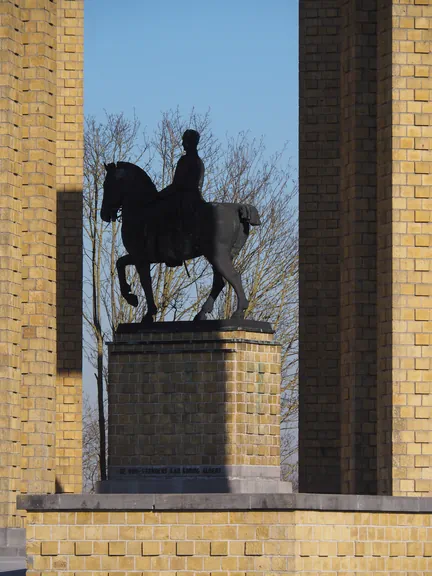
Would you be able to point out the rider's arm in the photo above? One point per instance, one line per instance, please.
(181, 173)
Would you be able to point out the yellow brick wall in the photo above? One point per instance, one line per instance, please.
(205, 399)
(11, 262)
(70, 48)
(405, 214)
(229, 543)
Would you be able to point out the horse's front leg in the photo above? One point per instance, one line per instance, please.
(146, 283)
(207, 308)
(125, 287)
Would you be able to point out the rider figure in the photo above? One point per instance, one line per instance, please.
(185, 192)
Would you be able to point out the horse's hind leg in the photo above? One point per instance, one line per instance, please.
(146, 283)
(125, 288)
(222, 263)
(218, 284)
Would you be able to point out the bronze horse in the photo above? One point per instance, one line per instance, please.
(220, 232)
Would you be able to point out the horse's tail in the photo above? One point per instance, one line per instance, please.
(249, 214)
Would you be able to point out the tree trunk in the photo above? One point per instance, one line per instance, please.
(99, 376)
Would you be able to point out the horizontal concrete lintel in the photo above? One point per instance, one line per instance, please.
(224, 502)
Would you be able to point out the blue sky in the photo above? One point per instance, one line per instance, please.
(236, 58)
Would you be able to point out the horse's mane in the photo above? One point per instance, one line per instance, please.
(139, 173)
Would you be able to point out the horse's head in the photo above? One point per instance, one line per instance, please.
(122, 178)
(113, 192)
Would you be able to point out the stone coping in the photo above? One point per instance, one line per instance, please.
(224, 502)
(182, 326)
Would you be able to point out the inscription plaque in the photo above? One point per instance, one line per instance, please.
(144, 471)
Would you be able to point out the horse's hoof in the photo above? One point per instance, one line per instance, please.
(238, 315)
(200, 316)
(147, 319)
(132, 299)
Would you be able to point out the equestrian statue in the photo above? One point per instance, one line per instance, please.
(176, 225)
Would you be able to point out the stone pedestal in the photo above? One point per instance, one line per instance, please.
(194, 407)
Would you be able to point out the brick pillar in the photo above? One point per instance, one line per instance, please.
(194, 411)
(10, 270)
(358, 246)
(41, 156)
(39, 246)
(70, 47)
(319, 227)
(404, 248)
(382, 357)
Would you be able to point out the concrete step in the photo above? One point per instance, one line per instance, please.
(12, 566)
(12, 538)
(12, 552)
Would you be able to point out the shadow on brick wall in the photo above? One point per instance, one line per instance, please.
(69, 281)
(69, 338)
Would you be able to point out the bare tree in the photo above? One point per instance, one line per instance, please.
(91, 445)
(117, 139)
(239, 171)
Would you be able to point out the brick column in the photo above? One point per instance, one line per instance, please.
(380, 357)
(39, 246)
(70, 47)
(319, 227)
(41, 163)
(358, 246)
(404, 248)
(10, 269)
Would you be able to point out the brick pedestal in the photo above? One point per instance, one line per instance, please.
(194, 408)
